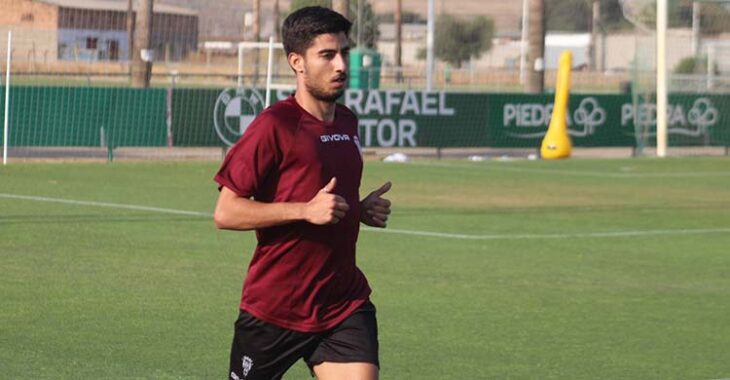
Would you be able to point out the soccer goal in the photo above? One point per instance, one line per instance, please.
(272, 65)
(196, 115)
(680, 77)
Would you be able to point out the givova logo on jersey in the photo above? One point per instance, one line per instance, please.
(234, 111)
(335, 137)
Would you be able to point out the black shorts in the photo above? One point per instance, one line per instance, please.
(261, 350)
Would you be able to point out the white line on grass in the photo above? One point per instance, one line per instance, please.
(584, 235)
(617, 175)
(104, 204)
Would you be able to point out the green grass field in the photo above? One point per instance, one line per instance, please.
(579, 269)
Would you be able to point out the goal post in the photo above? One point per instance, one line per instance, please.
(661, 79)
(679, 77)
(6, 114)
(643, 82)
(271, 46)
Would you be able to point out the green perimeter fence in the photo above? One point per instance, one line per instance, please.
(118, 117)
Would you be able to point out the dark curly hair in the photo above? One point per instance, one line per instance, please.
(304, 25)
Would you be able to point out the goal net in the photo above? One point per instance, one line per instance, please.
(81, 106)
(71, 93)
(698, 77)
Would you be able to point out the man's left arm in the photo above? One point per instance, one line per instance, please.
(374, 209)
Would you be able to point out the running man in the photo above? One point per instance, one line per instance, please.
(294, 177)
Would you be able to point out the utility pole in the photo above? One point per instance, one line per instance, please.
(593, 47)
(130, 32)
(359, 23)
(144, 54)
(256, 38)
(398, 40)
(342, 7)
(536, 47)
(256, 20)
(277, 21)
(696, 28)
(430, 30)
(523, 40)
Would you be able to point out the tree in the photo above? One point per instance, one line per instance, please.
(694, 65)
(142, 69)
(398, 34)
(298, 4)
(568, 15)
(457, 41)
(256, 20)
(576, 15)
(713, 16)
(342, 7)
(130, 30)
(535, 83)
(256, 37)
(277, 21)
(370, 32)
(406, 18)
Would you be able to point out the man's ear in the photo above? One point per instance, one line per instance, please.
(296, 62)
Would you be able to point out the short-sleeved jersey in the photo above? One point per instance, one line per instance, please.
(302, 276)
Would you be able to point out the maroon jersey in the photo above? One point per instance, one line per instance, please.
(302, 276)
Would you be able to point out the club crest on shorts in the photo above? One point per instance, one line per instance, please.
(246, 365)
(234, 110)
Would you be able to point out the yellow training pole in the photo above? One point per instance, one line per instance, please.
(556, 143)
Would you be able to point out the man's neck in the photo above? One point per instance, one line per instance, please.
(322, 110)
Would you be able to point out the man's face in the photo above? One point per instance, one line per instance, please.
(324, 66)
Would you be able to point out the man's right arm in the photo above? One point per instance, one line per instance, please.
(233, 212)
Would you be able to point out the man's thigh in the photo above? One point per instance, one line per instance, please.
(350, 350)
(264, 351)
(349, 371)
